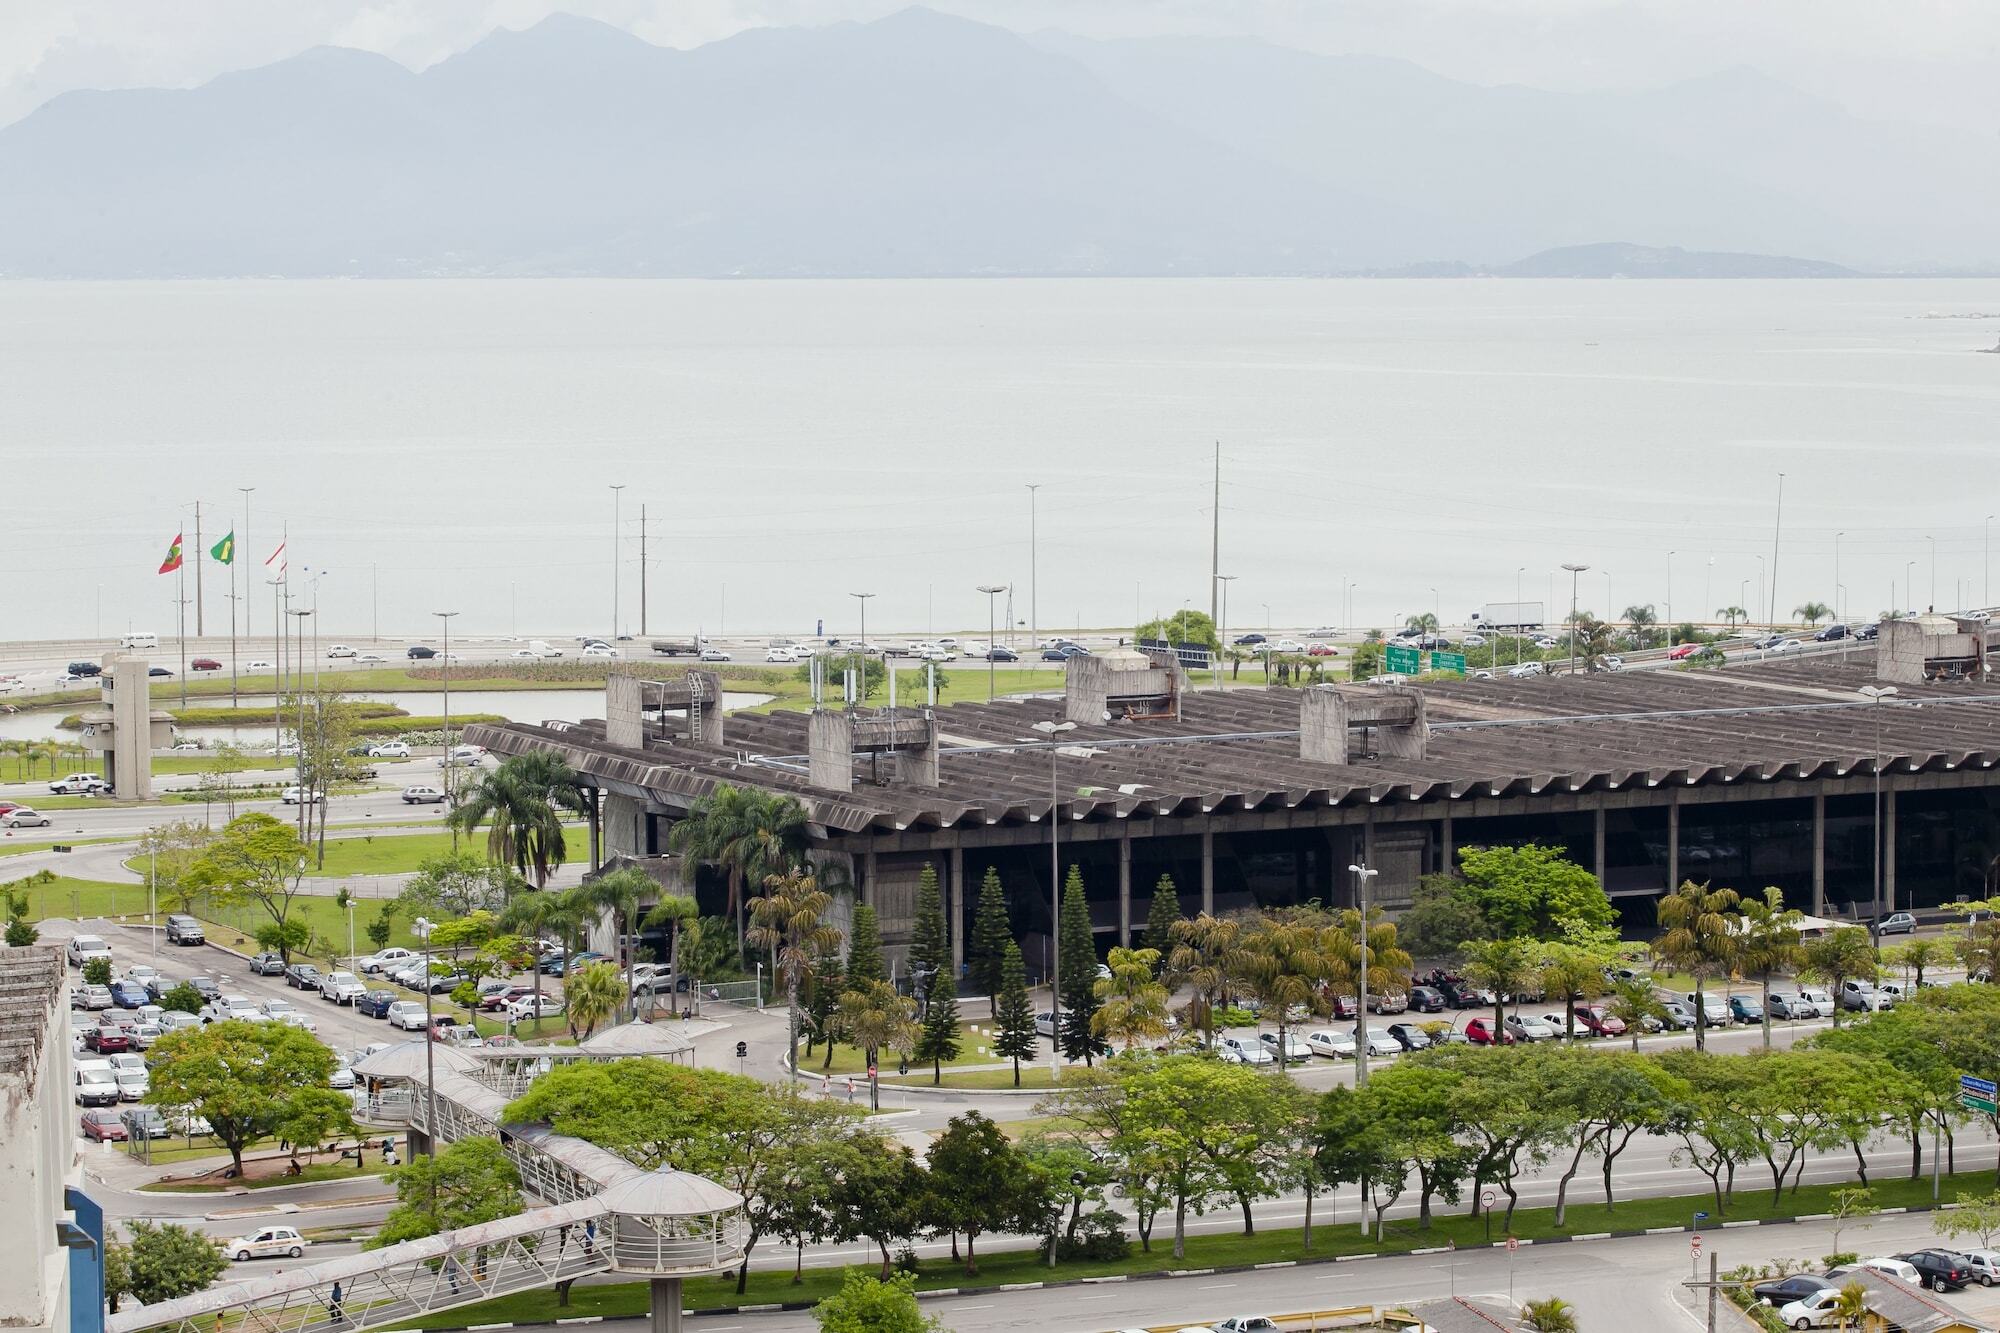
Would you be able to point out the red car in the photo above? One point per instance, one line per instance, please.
(1683, 651)
(204, 664)
(108, 1039)
(501, 999)
(1600, 1020)
(103, 1126)
(9, 807)
(1322, 650)
(1481, 1032)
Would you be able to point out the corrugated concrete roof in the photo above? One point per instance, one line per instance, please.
(31, 982)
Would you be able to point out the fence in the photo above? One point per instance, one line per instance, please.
(733, 992)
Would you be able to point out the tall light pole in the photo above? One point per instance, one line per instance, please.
(1034, 572)
(247, 602)
(617, 516)
(861, 664)
(1876, 694)
(992, 590)
(1910, 585)
(1987, 595)
(1518, 571)
(305, 802)
(1777, 531)
(444, 617)
(422, 928)
(1670, 594)
(1221, 634)
(1053, 730)
(1574, 571)
(1836, 578)
(1362, 874)
(1933, 542)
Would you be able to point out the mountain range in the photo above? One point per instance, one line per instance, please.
(927, 145)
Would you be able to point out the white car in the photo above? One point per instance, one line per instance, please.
(600, 650)
(1985, 1265)
(77, 783)
(1899, 1269)
(467, 754)
(341, 988)
(1821, 1001)
(1296, 1052)
(407, 1015)
(22, 817)
(712, 655)
(1787, 646)
(340, 650)
(524, 1008)
(240, 1008)
(341, 1079)
(389, 750)
(1381, 1043)
(277, 1007)
(258, 666)
(1475, 641)
(371, 659)
(268, 1243)
(781, 654)
(83, 948)
(300, 796)
(1237, 1051)
(1289, 646)
(376, 963)
(1526, 669)
(937, 654)
(1334, 1045)
(423, 796)
(1045, 1026)
(1814, 1311)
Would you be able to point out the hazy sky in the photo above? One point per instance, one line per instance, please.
(1934, 61)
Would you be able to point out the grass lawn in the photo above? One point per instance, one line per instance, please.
(618, 1300)
(47, 838)
(849, 1060)
(1032, 1076)
(369, 855)
(66, 897)
(318, 1171)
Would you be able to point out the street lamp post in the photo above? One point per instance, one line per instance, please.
(1053, 730)
(1670, 595)
(617, 518)
(991, 590)
(1836, 578)
(1221, 633)
(1933, 542)
(1574, 571)
(445, 656)
(304, 800)
(422, 928)
(1034, 571)
(861, 685)
(1876, 694)
(1362, 874)
(1518, 571)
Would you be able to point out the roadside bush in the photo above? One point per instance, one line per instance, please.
(97, 972)
(1099, 1237)
(184, 998)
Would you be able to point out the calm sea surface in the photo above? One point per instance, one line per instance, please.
(450, 445)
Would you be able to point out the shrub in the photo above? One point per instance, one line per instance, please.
(97, 972)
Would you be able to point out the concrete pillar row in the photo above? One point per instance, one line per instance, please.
(1125, 887)
(1208, 871)
(1819, 855)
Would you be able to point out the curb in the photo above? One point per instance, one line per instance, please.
(1165, 1274)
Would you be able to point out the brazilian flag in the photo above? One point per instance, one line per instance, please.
(224, 551)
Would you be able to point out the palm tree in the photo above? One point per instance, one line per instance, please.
(591, 996)
(1352, 953)
(1284, 961)
(1505, 967)
(789, 919)
(1841, 955)
(1812, 612)
(672, 912)
(1770, 943)
(1133, 1006)
(1201, 950)
(1425, 623)
(1573, 972)
(1732, 614)
(617, 894)
(1632, 1003)
(746, 834)
(1552, 1314)
(1642, 619)
(521, 802)
(876, 1019)
(537, 915)
(1851, 1306)
(1699, 935)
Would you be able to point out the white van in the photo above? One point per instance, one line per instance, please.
(542, 648)
(96, 1085)
(139, 639)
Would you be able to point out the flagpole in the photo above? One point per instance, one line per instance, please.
(234, 702)
(181, 625)
(248, 633)
(200, 624)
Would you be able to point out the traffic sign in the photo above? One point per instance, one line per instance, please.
(1448, 662)
(1512, 1244)
(1401, 661)
(1695, 1244)
(1487, 1198)
(1978, 1094)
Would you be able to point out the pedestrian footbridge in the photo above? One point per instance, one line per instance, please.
(597, 1212)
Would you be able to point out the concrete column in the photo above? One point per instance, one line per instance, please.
(666, 1303)
(590, 818)
(868, 877)
(1674, 845)
(1888, 849)
(1208, 870)
(1819, 854)
(1597, 841)
(956, 911)
(1449, 848)
(1125, 886)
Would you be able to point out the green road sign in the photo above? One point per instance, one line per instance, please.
(1448, 662)
(1978, 1094)
(1402, 661)
(1972, 1103)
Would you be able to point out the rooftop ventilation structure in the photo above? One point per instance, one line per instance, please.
(1393, 715)
(632, 703)
(901, 746)
(1124, 684)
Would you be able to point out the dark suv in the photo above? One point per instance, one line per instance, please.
(417, 652)
(85, 669)
(183, 929)
(1785, 1290)
(1941, 1270)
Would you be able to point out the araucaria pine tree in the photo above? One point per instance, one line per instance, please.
(991, 934)
(1160, 918)
(930, 963)
(864, 949)
(1014, 1012)
(1076, 974)
(828, 981)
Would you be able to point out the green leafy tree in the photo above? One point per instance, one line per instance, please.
(117, 1273)
(1920, 954)
(617, 894)
(744, 833)
(521, 803)
(1506, 967)
(284, 939)
(1132, 1006)
(1607, 1098)
(1812, 613)
(1194, 627)
(1443, 917)
(97, 972)
(829, 979)
(250, 1081)
(672, 913)
(1977, 1215)
(470, 1182)
(1162, 914)
(991, 934)
(1202, 1129)
(1571, 973)
(455, 884)
(1076, 977)
(880, 1195)
(1643, 620)
(1014, 1014)
(876, 1019)
(182, 998)
(1412, 1103)
(167, 852)
(1202, 947)
(789, 919)
(1632, 1003)
(1841, 955)
(1551, 1314)
(382, 927)
(1700, 933)
(864, 948)
(255, 860)
(875, 1305)
(1350, 1147)
(1533, 892)
(1285, 960)
(164, 1261)
(539, 915)
(930, 959)
(1505, 1116)
(1769, 945)
(1732, 614)
(980, 1182)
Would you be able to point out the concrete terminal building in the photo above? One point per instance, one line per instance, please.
(1754, 775)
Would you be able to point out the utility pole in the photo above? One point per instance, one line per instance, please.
(617, 500)
(198, 548)
(248, 601)
(1215, 536)
(1034, 575)
(1777, 530)
(1362, 873)
(642, 571)
(1574, 571)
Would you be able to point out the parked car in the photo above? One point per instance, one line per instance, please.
(407, 1015)
(1985, 1265)
(1862, 996)
(1390, 1002)
(1896, 923)
(1482, 1032)
(206, 987)
(266, 1243)
(1677, 1014)
(95, 1084)
(1600, 1022)
(376, 1003)
(302, 976)
(377, 963)
(1380, 1042)
(91, 997)
(526, 1008)
(1784, 1004)
(1332, 1043)
(341, 1079)
(1746, 1008)
(1942, 1270)
(277, 1008)
(1899, 1269)
(1526, 1027)
(1246, 1323)
(498, 1000)
(389, 750)
(82, 949)
(1426, 1000)
(1409, 1036)
(127, 994)
(1461, 996)
(341, 988)
(107, 1039)
(1815, 1309)
(1242, 1051)
(183, 929)
(1294, 1052)
(102, 1126)
(1714, 1009)
(267, 964)
(232, 1008)
(128, 1068)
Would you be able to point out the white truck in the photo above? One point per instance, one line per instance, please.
(1508, 616)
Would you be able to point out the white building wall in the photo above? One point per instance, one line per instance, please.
(38, 1155)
